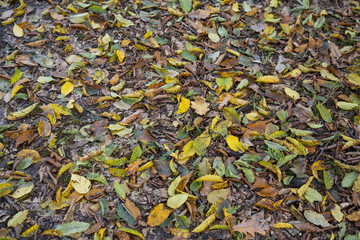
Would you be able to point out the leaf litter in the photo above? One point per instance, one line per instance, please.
(179, 119)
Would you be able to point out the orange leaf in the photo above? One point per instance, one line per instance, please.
(158, 215)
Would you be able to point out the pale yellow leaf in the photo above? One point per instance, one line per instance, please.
(18, 31)
(81, 184)
(177, 200)
(291, 93)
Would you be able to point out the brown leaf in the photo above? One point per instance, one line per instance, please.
(131, 118)
(251, 227)
(306, 227)
(135, 212)
(268, 192)
(38, 43)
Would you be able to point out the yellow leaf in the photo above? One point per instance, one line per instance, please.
(301, 191)
(63, 169)
(283, 225)
(72, 104)
(173, 186)
(268, 79)
(293, 74)
(177, 200)
(120, 55)
(303, 150)
(354, 79)
(30, 232)
(148, 34)
(210, 178)
(200, 105)
(205, 223)
(188, 151)
(214, 37)
(252, 116)
(15, 90)
(175, 12)
(22, 113)
(67, 88)
(44, 128)
(18, 218)
(18, 31)
(291, 93)
(29, 153)
(81, 184)
(5, 189)
(158, 215)
(201, 143)
(23, 190)
(52, 232)
(235, 145)
(184, 105)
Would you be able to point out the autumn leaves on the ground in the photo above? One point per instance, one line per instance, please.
(179, 119)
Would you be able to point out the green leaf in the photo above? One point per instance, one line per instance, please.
(43, 79)
(275, 146)
(16, 77)
(324, 113)
(96, 177)
(226, 82)
(316, 218)
(119, 189)
(104, 207)
(346, 105)
(186, 5)
(319, 23)
(136, 154)
(300, 133)
(73, 227)
(79, 18)
(328, 179)
(231, 115)
(349, 179)
(123, 213)
(312, 195)
(188, 56)
(132, 231)
(18, 218)
(219, 166)
(249, 174)
(286, 159)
